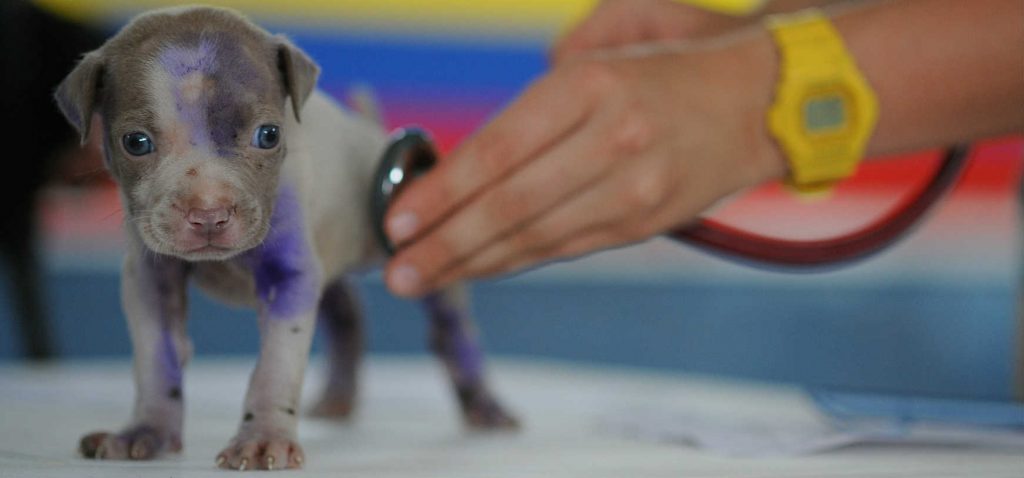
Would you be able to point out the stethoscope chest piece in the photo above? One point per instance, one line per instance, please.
(409, 155)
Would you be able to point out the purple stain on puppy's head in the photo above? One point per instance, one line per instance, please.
(208, 78)
(189, 68)
(181, 61)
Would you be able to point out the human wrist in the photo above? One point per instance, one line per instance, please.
(756, 63)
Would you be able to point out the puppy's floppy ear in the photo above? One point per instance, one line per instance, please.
(298, 71)
(79, 93)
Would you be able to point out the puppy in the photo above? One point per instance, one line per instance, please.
(223, 185)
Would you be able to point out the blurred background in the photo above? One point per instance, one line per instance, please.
(934, 315)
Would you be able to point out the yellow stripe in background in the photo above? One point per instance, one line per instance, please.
(544, 18)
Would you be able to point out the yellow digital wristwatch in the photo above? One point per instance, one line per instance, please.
(824, 110)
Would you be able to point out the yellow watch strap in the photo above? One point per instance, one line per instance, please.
(814, 61)
(807, 38)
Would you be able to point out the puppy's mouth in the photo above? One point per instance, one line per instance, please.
(209, 252)
(203, 235)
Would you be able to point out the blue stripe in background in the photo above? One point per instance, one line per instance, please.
(946, 340)
(417, 68)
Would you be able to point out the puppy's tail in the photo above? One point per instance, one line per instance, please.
(362, 99)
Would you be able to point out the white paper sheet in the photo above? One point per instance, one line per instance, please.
(753, 437)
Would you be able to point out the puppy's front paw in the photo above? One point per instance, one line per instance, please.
(252, 450)
(137, 442)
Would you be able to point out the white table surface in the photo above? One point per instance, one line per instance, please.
(406, 426)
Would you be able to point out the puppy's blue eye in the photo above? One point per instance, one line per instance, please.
(266, 136)
(137, 144)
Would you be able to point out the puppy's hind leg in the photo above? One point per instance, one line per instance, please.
(453, 338)
(341, 318)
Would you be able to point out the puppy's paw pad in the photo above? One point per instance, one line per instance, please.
(140, 442)
(265, 453)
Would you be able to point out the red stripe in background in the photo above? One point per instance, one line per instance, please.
(983, 201)
(449, 123)
(995, 168)
(994, 171)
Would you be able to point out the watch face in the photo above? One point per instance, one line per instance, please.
(826, 113)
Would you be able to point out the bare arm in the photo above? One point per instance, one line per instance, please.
(945, 71)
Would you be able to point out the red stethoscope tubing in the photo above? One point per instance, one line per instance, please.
(723, 240)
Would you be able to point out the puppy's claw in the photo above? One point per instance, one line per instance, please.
(89, 445)
(262, 452)
(221, 459)
(140, 449)
(138, 442)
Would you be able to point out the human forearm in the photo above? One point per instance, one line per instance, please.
(945, 71)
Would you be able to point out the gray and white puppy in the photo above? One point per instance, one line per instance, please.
(222, 184)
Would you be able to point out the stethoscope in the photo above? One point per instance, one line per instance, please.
(411, 153)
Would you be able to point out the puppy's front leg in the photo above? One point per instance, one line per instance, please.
(289, 285)
(267, 438)
(154, 302)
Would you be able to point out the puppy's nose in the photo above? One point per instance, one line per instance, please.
(208, 221)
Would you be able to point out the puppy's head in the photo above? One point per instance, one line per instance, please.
(193, 105)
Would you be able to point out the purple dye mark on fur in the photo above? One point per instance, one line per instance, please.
(166, 277)
(218, 111)
(170, 366)
(453, 339)
(283, 265)
(181, 62)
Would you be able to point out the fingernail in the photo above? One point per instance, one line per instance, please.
(405, 279)
(402, 226)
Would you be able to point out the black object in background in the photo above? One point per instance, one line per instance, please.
(37, 49)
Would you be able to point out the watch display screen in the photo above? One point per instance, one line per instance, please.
(824, 113)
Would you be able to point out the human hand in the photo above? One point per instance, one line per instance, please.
(618, 23)
(603, 151)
